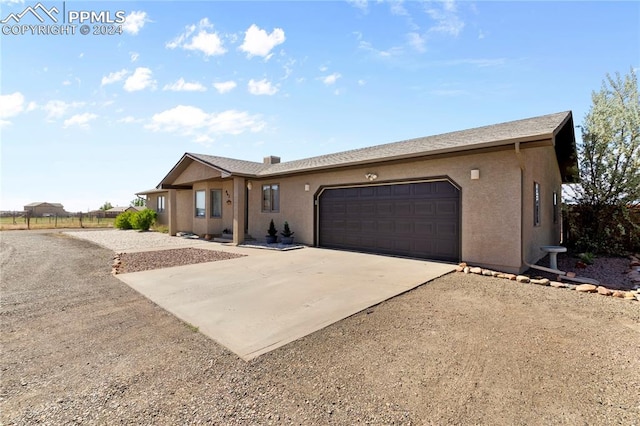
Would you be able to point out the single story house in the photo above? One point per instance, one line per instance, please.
(489, 196)
(45, 209)
(115, 211)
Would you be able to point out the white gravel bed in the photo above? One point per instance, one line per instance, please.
(120, 240)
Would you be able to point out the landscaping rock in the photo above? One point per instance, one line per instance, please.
(630, 296)
(487, 273)
(496, 273)
(466, 269)
(604, 291)
(619, 294)
(586, 288)
(557, 284)
(522, 279)
(476, 270)
(540, 281)
(511, 277)
(459, 269)
(462, 264)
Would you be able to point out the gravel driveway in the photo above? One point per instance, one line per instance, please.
(80, 347)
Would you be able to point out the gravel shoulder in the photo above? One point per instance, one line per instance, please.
(79, 346)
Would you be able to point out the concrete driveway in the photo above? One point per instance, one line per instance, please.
(257, 303)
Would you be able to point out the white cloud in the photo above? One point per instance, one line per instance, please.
(204, 127)
(81, 120)
(446, 18)
(417, 41)
(331, 78)
(140, 80)
(225, 86)
(391, 52)
(66, 83)
(134, 56)
(397, 8)
(114, 77)
(361, 82)
(11, 105)
(183, 86)
(360, 4)
(135, 21)
(56, 109)
(258, 43)
(129, 119)
(262, 87)
(12, 1)
(204, 41)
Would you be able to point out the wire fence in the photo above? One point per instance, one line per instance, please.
(20, 220)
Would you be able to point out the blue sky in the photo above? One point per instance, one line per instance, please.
(92, 118)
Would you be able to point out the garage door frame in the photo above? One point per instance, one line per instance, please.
(323, 188)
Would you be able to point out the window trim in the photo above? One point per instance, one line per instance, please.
(536, 204)
(160, 207)
(219, 191)
(270, 187)
(204, 206)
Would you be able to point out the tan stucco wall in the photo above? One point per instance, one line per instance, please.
(490, 223)
(184, 210)
(196, 172)
(152, 203)
(540, 166)
(208, 224)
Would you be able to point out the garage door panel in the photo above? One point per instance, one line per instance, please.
(403, 208)
(415, 219)
(424, 208)
(384, 208)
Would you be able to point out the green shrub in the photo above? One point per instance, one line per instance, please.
(143, 219)
(123, 220)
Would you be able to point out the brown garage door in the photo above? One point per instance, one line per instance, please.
(415, 219)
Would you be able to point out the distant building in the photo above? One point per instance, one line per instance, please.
(115, 211)
(45, 209)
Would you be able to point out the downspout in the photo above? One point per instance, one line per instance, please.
(521, 163)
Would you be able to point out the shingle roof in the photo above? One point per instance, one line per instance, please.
(526, 130)
(231, 165)
(495, 135)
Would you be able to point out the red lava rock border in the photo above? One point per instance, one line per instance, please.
(633, 295)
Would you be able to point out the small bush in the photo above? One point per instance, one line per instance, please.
(123, 220)
(143, 219)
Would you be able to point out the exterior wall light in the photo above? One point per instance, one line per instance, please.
(475, 174)
(371, 176)
(306, 187)
(249, 185)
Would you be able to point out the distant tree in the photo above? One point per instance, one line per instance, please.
(609, 157)
(106, 206)
(138, 202)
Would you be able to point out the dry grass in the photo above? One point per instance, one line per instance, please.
(9, 223)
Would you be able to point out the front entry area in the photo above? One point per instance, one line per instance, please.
(414, 219)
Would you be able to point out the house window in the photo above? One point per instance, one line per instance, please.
(536, 204)
(200, 204)
(555, 207)
(216, 203)
(160, 204)
(271, 198)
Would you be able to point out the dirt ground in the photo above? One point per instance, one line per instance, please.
(80, 347)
